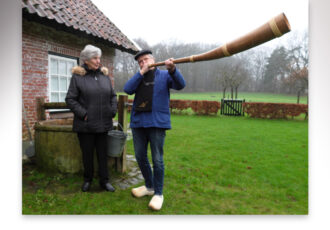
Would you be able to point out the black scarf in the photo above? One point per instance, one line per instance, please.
(144, 92)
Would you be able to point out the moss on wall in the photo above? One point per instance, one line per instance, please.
(58, 151)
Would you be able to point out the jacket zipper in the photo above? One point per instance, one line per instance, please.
(101, 96)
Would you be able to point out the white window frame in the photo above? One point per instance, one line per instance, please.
(59, 58)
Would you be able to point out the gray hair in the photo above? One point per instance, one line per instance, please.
(89, 52)
(150, 56)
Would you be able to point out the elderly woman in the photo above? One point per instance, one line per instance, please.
(94, 103)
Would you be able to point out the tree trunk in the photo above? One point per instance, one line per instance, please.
(232, 92)
(236, 92)
(298, 96)
(224, 93)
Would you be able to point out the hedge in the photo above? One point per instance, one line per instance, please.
(205, 107)
(198, 107)
(252, 109)
(274, 110)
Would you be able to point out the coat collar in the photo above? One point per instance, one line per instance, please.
(83, 70)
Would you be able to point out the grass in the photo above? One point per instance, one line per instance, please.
(249, 97)
(213, 165)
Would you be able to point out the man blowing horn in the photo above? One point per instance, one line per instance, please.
(150, 118)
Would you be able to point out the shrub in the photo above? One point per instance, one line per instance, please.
(253, 109)
(274, 110)
(198, 107)
(180, 104)
(205, 107)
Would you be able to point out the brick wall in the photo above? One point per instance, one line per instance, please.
(37, 41)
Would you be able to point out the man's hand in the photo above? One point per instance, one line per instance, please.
(170, 66)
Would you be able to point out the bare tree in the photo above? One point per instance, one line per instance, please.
(298, 78)
(232, 74)
(224, 80)
(257, 66)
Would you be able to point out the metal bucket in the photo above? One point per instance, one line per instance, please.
(116, 140)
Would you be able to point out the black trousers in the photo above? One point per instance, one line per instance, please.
(88, 143)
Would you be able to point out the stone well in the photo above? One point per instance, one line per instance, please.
(57, 150)
(57, 146)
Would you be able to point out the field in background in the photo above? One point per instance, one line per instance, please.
(249, 97)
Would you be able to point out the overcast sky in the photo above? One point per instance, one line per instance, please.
(205, 21)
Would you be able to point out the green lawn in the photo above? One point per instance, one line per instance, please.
(213, 165)
(249, 97)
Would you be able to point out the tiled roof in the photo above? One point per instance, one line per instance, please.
(81, 15)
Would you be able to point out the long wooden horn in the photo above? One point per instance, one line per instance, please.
(274, 28)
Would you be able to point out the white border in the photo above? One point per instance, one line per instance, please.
(10, 137)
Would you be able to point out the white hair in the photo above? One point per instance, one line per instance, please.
(89, 52)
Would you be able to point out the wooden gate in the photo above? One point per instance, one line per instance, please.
(232, 107)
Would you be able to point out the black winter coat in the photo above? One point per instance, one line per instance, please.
(91, 94)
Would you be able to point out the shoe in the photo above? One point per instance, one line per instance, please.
(108, 187)
(86, 186)
(156, 202)
(142, 191)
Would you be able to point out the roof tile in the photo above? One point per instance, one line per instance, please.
(81, 15)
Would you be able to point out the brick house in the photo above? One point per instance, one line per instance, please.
(53, 34)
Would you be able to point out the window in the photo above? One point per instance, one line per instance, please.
(59, 76)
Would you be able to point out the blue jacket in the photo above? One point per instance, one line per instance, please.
(159, 117)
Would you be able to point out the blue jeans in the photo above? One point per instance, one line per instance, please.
(156, 137)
